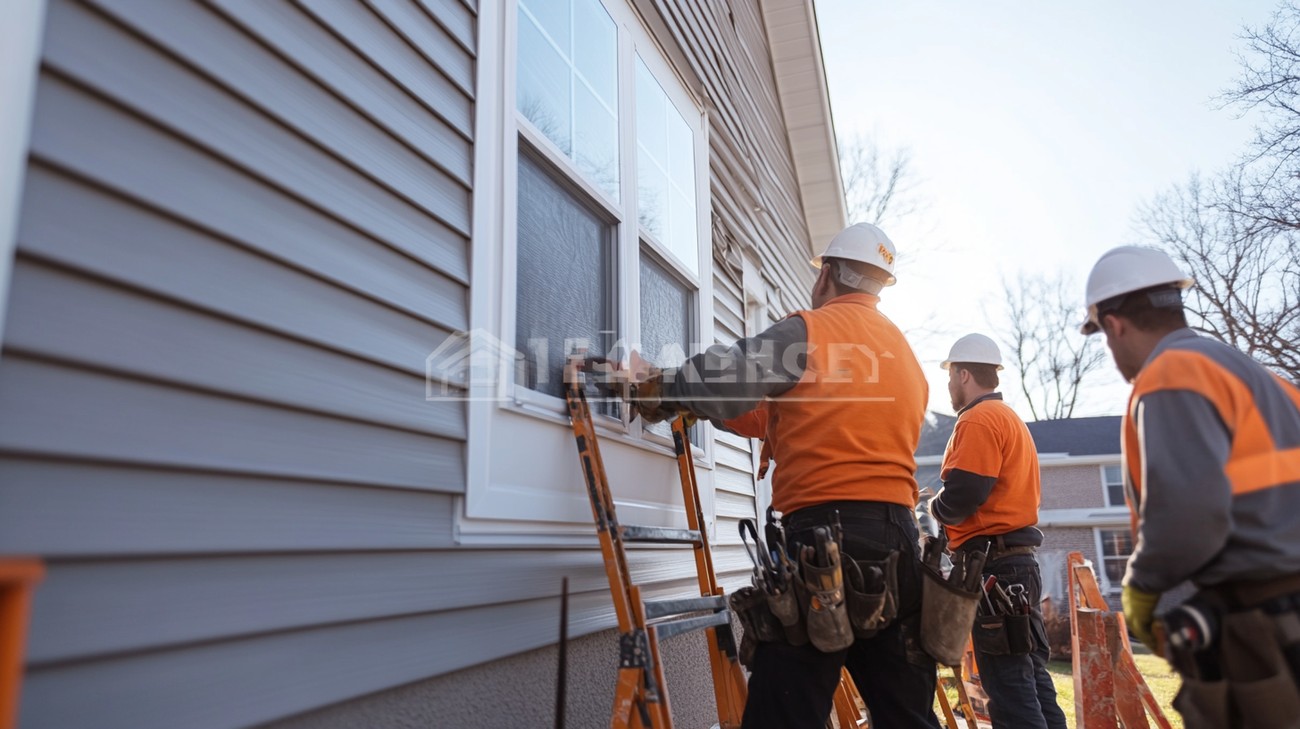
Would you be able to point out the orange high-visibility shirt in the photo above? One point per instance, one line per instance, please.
(849, 430)
(990, 440)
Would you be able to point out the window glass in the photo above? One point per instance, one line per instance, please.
(665, 171)
(568, 82)
(1114, 486)
(1116, 546)
(665, 322)
(565, 289)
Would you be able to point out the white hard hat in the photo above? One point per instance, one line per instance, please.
(973, 348)
(1124, 270)
(862, 242)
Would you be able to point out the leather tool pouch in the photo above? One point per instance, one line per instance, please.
(947, 615)
(872, 589)
(827, 616)
(785, 607)
(1260, 684)
(751, 605)
(1003, 635)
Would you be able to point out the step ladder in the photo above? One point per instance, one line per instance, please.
(641, 696)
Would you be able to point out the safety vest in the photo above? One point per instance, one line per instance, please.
(990, 440)
(1255, 406)
(848, 430)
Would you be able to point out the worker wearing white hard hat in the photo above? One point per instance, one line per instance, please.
(1211, 444)
(989, 506)
(839, 398)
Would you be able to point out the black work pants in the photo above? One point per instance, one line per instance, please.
(1020, 690)
(793, 687)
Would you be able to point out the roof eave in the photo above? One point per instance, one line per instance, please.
(805, 103)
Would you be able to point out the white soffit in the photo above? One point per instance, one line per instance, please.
(805, 102)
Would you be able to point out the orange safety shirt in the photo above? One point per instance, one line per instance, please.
(990, 440)
(848, 431)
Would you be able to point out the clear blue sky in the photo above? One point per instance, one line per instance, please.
(1036, 130)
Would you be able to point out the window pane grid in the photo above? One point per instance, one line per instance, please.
(567, 83)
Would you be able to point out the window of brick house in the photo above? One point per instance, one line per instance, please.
(1112, 479)
(1115, 547)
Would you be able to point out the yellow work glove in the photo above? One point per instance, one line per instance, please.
(1140, 614)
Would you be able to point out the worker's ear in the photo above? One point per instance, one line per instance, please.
(1113, 326)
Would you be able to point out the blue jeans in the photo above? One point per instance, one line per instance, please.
(1020, 690)
(792, 687)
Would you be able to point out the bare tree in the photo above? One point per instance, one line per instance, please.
(1247, 269)
(1237, 231)
(879, 186)
(1042, 340)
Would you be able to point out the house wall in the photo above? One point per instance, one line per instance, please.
(1072, 487)
(244, 225)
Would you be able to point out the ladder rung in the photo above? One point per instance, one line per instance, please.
(661, 608)
(658, 535)
(669, 628)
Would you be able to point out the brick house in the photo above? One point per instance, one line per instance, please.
(1083, 496)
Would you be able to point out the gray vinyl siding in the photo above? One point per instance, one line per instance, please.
(244, 225)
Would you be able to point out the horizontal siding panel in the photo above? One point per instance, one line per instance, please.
(456, 17)
(735, 482)
(246, 682)
(434, 42)
(153, 604)
(169, 174)
(52, 410)
(63, 509)
(143, 162)
(366, 64)
(59, 315)
(97, 54)
(134, 246)
(734, 505)
(732, 440)
(725, 453)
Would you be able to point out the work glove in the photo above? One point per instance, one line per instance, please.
(640, 385)
(1140, 614)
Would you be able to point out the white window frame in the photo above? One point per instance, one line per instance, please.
(1105, 485)
(1099, 545)
(534, 426)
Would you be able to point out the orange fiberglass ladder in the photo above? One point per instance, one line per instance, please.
(18, 578)
(641, 696)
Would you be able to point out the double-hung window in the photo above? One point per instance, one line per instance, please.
(1116, 546)
(1112, 480)
(603, 213)
(608, 237)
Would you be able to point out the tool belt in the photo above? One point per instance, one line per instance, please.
(1237, 647)
(995, 546)
(812, 593)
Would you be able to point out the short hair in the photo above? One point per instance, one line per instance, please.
(986, 375)
(1156, 309)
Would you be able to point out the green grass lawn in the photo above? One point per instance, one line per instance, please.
(1162, 680)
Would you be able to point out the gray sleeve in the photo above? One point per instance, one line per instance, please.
(725, 382)
(962, 495)
(1185, 514)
